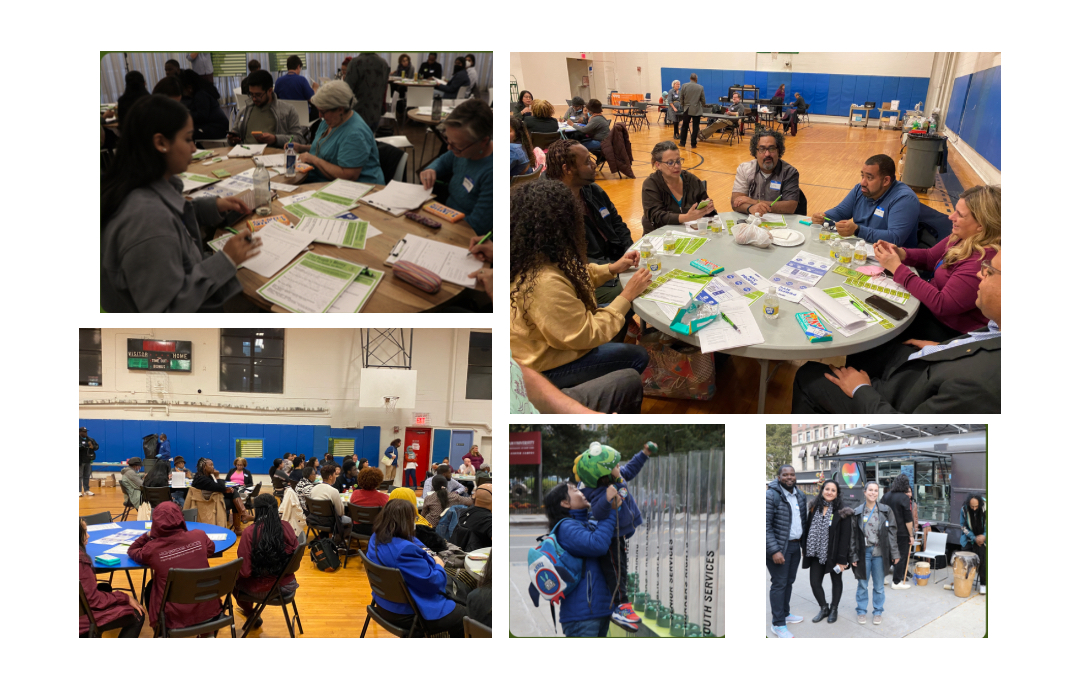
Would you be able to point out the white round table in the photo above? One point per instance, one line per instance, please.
(784, 339)
(477, 566)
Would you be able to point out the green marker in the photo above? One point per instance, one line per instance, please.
(485, 238)
(829, 219)
(725, 318)
(775, 200)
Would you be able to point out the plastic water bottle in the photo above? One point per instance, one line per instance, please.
(262, 189)
(290, 159)
(826, 232)
(772, 304)
(846, 253)
(860, 253)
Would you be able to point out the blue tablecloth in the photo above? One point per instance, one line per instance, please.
(126, 563)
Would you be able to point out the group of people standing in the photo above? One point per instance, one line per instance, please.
(829, 537)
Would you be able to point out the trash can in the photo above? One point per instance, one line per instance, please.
(921, 160)
(965, 566)
(150, 446)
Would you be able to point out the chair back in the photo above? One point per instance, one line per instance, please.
(402, 167)
(419, 97)
(249, 502)
(301, 109)
(542, 140)
(387, 583)
(97, 518)
(155, 495)
(463, 92)
(279, 485)
(800, 209)
(191, 515)
(198, 585)
(211, 510)
(389, 160)
(363, 515)
(386, 485)
(320, 508)
(84, 610)
(935, 544)
(519, 179)
(475, 628)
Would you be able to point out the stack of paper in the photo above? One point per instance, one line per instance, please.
(192, 181)
(841, 315)
(452, 264)
(247, 150)
(343, 192)
(746, 282)
(398, 197)
(279, 245)
(308, 204)
(342, 233)
(802, 271)
(719, 335)
(311, 283)
(274, 160)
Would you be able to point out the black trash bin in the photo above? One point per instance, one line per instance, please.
(150, 446)
(923, 157)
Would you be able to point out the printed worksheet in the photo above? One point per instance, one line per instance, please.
(314, 206)
(358, 292)
(344, 192)
(720, 335)
(802, 271)
(452, 264)
(746, 282)
(280, 244)
(311, 283)
(342, 233)
(247, 150)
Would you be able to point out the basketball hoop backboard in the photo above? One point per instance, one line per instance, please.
(376, 385)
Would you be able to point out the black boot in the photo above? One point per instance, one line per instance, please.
(833, 613)
(821, 614)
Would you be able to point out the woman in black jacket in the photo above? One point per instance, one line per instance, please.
(239, 473)
(206, 479)
(825, 543)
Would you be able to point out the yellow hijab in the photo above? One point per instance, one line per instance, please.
(408, 495)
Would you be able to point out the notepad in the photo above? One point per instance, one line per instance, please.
(218, 537)
(280, 245)
(311, 284)
(452, 264)
(398, 197)
(247, 151)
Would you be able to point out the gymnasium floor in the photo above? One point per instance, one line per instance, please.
(330, 604)
(829, 158)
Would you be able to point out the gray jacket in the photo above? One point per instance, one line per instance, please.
(598, 127)
(672, 115)
(288, 123)
(152, 258)
(693, 98)
(886, 540)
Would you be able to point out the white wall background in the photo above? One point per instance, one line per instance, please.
(323, 368)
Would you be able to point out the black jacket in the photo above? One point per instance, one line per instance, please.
(886, 540)
(473, 530)
(450, 89)
(901, 508)
(839, 538)
(247, 476)
(607, 238)
(778, 517)
(86, 451)
(427, 71)
(541, 124)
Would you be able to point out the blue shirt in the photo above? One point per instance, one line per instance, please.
(519, 161)
(992, 331)
(898, 221)
(391, 453)
(293, 87)
(471, 188)
(352, 145)
(202, 64)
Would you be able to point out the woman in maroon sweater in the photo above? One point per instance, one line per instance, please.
(266, 547)
(169, 545)
(948, 299)
(111, 609)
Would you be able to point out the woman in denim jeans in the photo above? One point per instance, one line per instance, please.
(586, 609)
(873, 542)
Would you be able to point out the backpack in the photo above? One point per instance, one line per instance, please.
(324, 555)
(449, 521)
(553, 571)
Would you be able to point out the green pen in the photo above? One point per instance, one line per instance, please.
(775, 200)
(244, 147)
(732, 323)
(485, 238)
(829, 219)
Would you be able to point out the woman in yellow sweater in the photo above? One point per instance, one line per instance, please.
(557, 328)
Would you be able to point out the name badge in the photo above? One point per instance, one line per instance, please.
(467, 183)
(604, 213)
(774, 185)
(880, 212)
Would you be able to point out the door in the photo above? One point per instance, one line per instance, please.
(578, 72)
(460, 443)
(418, 444)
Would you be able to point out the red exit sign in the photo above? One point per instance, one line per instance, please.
(421, 419)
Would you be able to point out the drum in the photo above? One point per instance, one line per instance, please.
(922, 573)
(965, 567)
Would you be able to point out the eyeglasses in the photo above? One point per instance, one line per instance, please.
(672, 164)
(989, 270)
(769, 149)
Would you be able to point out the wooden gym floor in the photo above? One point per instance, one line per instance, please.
(330, 604)
(829, 158)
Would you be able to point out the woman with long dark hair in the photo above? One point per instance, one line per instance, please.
(152, 254)
(111, 609)
(201, 98)
(556, 326)
(825, 543)
(522, 158)
(586, 609)
(436, 503)
(973, 527)
(266, 547)
(134, 89)
(393, 544)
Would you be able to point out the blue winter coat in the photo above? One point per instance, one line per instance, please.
(425, 579)
(629, 515)
(163, 450)
(589, 541)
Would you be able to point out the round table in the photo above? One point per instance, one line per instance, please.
(477, 566)
(784, 339)
(391, 295)
(126, 563)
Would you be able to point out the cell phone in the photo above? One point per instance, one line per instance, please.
(836, 569)
(886, 307)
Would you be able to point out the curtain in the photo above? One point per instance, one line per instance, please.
(112, 77)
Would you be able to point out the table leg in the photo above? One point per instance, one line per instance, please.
(763, 382)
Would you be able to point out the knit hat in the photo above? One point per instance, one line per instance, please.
(482, 497)
(334, 94)
(594, 463)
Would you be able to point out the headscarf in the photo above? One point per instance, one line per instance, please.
(594, 463)
(409, 496)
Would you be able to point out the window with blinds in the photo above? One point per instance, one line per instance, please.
(229, 64)
(249, 447)
(339, 447)
(278, 61)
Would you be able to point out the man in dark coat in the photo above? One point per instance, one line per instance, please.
(785, 522)
(473, 530)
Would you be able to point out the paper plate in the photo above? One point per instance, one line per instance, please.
(789, 243)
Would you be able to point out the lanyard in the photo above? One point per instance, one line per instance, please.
(866, 518)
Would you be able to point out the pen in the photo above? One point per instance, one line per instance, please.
(857, 306)
(829, 219)
(244, 147)
(485, 238)
(776, 199)
(725, 318)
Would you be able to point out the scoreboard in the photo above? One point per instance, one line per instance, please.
(159, 355)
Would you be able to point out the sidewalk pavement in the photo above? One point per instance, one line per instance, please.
(929, 611)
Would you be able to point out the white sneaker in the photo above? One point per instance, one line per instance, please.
(902, 585)
(982, 589)
(81, 494)
(89, 493)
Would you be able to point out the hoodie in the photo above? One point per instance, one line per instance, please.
(591, 598)
(168, 545)
(629, 515)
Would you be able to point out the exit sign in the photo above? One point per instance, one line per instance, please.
(421, 418)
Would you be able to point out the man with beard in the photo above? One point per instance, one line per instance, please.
(759, 182)
(878, 208)
(785, 521)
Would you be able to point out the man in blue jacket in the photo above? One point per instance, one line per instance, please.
(785, 521)
(596, 478)
(878, 208)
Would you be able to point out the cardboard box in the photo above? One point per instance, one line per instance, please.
(95, 483)
(109, 482)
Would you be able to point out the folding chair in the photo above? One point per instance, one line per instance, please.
(195, 586)
(156, 495)
(361, 515)
(475, 628)
(84, 610)
(388, 584)
(275, 596)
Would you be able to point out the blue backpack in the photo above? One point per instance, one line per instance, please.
(449, 521)
(553, 571)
